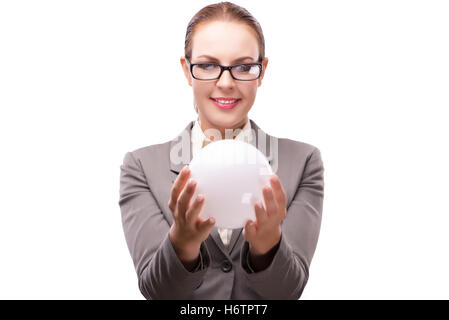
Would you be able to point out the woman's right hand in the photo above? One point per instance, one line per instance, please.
(188, 231)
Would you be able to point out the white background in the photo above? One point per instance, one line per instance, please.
(83, 82)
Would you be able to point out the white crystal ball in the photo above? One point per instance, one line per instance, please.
(230, 174)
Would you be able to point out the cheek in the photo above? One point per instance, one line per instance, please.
(201, 91)
(249, 91)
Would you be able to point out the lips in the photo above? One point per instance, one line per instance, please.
(219, 99)
(225, 102)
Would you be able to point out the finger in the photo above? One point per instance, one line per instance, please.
(261, 215)
(206, 225)
(278, 190)
(195, 209)
(249, 231)
(178, 186)
(270, 203)
(184, 199)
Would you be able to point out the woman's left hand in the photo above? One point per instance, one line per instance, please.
(265, 232)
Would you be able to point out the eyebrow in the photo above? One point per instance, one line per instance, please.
(215, 59)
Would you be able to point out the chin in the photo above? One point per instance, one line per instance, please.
(226, 120)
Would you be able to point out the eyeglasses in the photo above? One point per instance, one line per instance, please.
(213, 71)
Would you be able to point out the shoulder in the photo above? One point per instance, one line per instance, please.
(153, 150)
(297, 151)
(160, 151)
(285, 149)
(149, 154)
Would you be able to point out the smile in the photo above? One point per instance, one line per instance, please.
(225, 103)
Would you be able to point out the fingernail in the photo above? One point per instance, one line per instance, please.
(200, 197)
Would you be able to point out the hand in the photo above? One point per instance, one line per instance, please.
(265, 232)
(188, 231)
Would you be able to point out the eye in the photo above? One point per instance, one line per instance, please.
(244, 68)
(207, 66)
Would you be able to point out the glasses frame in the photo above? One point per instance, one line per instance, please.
(223, 68)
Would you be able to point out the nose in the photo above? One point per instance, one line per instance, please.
(226, 80)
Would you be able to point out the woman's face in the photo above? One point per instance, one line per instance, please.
(223, 43)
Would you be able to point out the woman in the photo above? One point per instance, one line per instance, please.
(176, 254)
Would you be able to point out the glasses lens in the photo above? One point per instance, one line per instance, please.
(206, 71)
(246, 72)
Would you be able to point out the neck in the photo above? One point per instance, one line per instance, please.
(209, 129)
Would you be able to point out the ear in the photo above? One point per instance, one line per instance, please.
(264, 67)
(186, 70)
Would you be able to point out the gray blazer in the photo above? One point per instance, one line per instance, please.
(146, 177)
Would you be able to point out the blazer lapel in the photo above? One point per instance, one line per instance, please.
(180, 150)
(180, 155)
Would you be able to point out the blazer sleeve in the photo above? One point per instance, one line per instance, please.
(287, 275)
(161, 275)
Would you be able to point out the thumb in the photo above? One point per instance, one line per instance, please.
(207, 225)
(250, 230)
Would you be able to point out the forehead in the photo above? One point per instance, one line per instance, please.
(225, 40)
